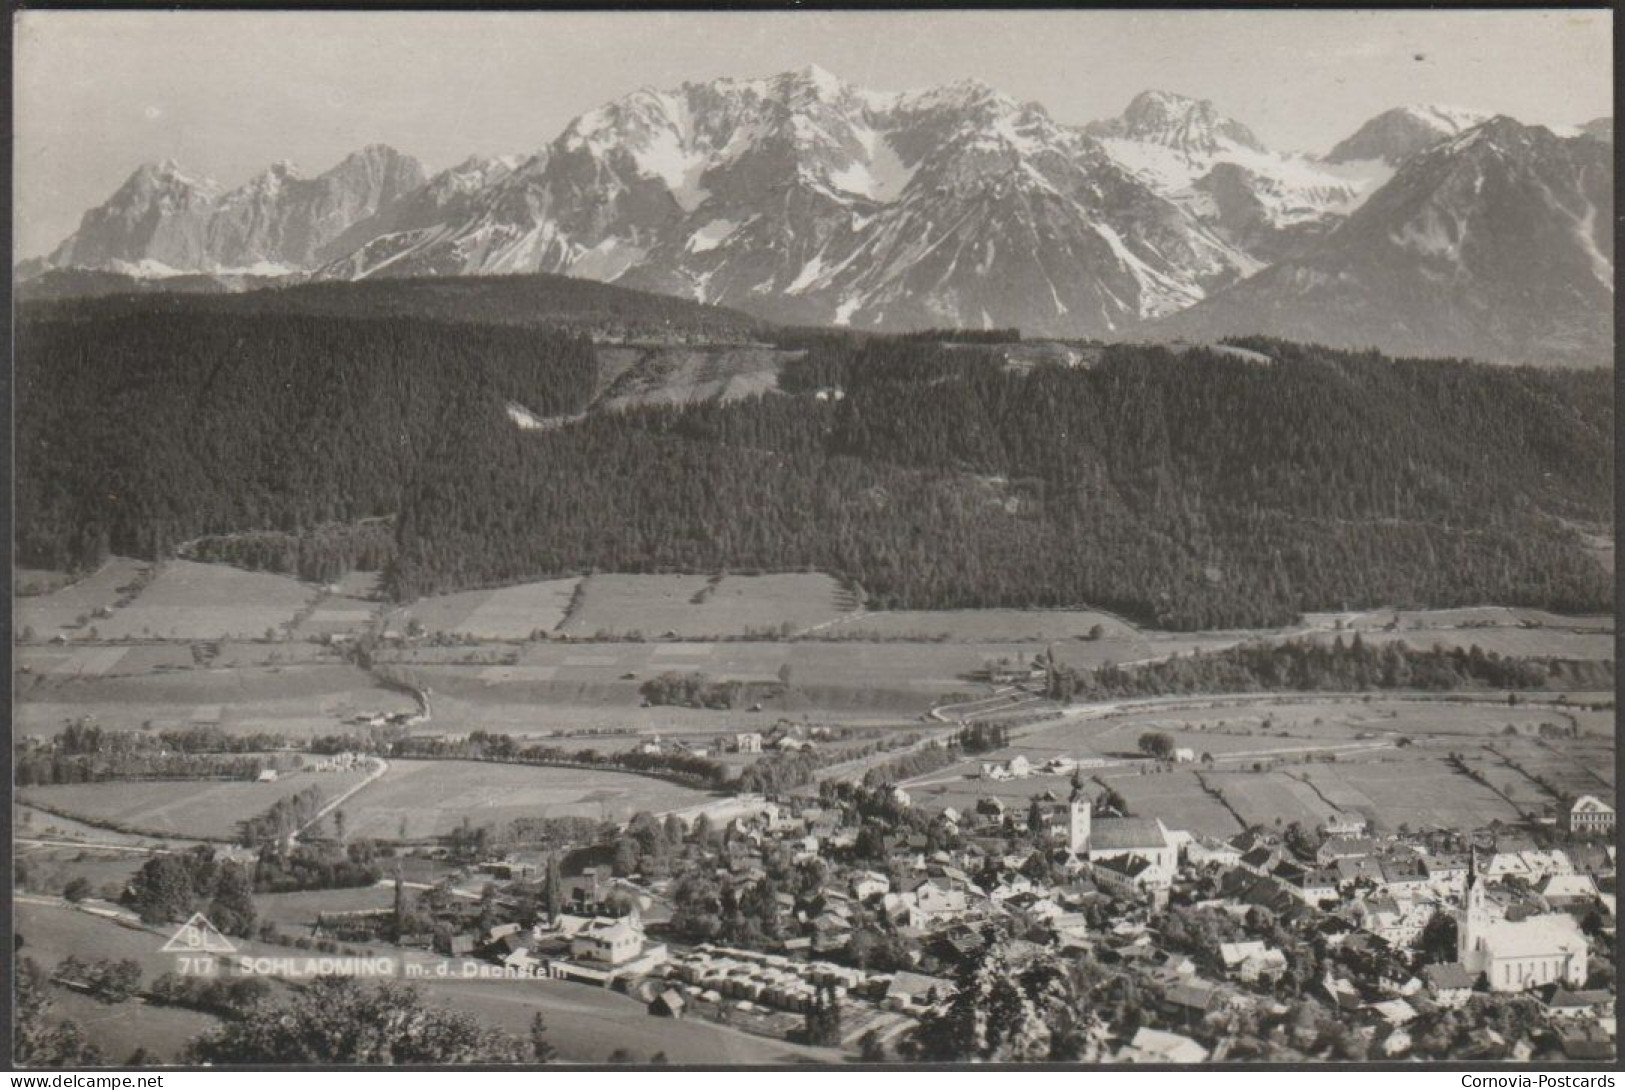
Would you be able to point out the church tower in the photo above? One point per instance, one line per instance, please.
(1475, 919)
(1078, 817)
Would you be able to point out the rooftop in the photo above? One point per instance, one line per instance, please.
(1115, 834)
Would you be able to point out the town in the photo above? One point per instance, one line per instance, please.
(853, 919)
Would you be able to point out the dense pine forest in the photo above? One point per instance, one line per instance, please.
(138, 433)
(1313, 666)
(541, 299)
(1186, 490)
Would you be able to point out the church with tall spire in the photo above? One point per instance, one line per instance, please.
(1515, 955)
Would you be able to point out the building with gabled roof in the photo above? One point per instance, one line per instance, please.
(1587, 816)
(1155, 1046)
(1450, 984)
(1114, 838)
(1522, 954)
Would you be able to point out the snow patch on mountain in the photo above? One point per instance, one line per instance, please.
(145, 269)
(881, 175)
(607, 261)
(713, 234)
(681, 168)
(1161, 294)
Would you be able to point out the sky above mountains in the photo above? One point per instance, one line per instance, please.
(97, 93)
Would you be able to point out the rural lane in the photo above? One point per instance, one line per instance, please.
(380, 766)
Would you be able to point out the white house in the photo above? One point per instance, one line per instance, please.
(1161, 1047)
(1251, 960)
(1588, 816)
(608, 941)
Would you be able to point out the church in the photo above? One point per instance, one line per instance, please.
(1123, 838)
(1517, 955)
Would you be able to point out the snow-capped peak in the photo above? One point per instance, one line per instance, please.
(1214, 166)
(1395, 135)
(1191, 126)
(170, 172)
(1446, 118)
(821, 80)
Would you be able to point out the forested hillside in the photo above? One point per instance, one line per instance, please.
(137, 433)
(587, 306)
(1185, 490)
(1188, 491)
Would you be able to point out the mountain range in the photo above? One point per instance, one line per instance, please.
(803, 199)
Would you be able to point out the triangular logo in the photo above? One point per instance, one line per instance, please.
(198, 936)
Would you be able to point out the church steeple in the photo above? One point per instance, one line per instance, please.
(1475, 917)
(1079, 812)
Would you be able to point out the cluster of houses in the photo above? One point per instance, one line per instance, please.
(346, 761)
(784, 737)
(776, 981)
(1529, 920)
(337, 762)
(592, 939)
(1019, 768)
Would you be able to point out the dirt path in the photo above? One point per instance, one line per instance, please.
(88, 845)
(380, 766)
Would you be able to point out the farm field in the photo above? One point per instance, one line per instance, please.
(826, 680)
(1261, 770)
(611, 729)
(1417, 791)
(706, 606)
(29, 822)
(491, 711)
(972, 625)
(1576, 766)
(187, 600)
(337, 613)
(1530, 632)
(200, 808)
(39, 665)
(432, 798)
(57, 612)
(586, 1024)
(1473, 618)
(1238, 728)
(509, 613)
(1269, 798)
(296, 913)
(49, 870)
(1177, 798)
(297, 700)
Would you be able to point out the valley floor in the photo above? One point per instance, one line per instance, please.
(569, 664)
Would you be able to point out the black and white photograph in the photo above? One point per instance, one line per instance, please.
(778, 539)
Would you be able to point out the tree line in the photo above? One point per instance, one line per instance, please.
(1308, 665)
